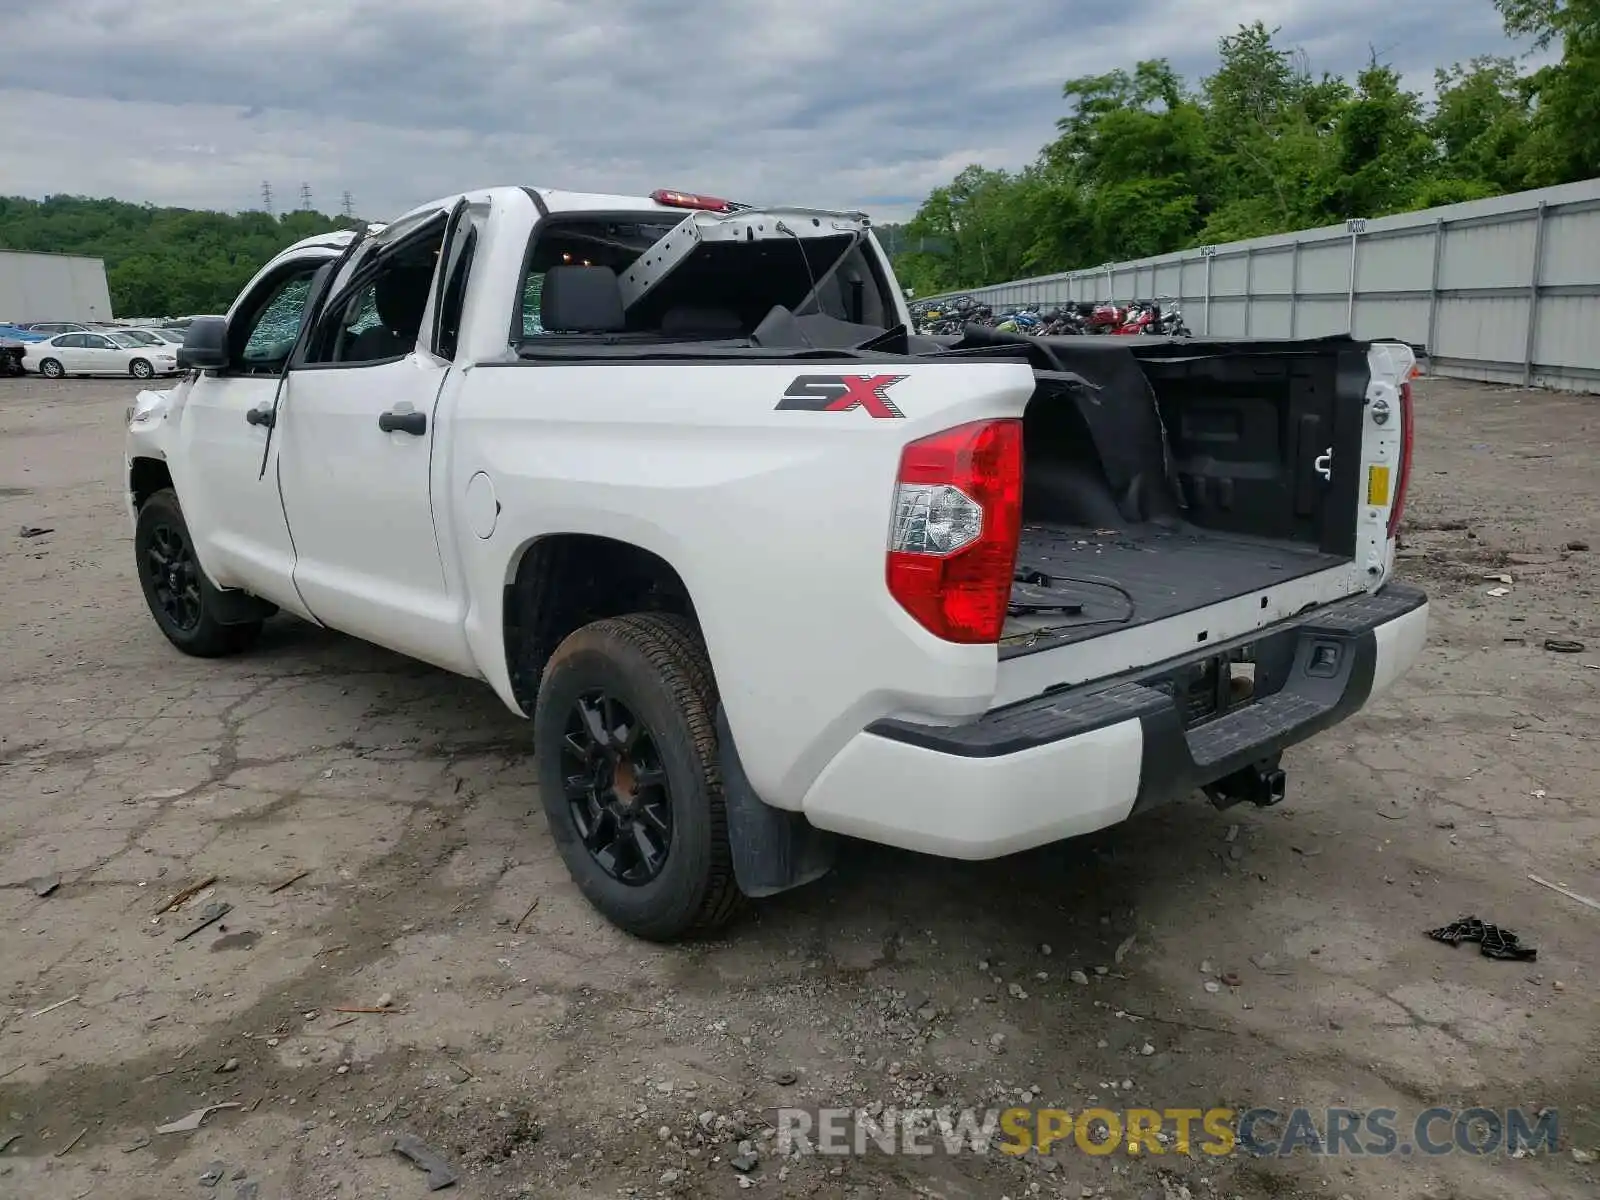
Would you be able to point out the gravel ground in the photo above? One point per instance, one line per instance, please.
(544, 1054)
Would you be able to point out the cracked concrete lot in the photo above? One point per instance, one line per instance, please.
(543, 1054)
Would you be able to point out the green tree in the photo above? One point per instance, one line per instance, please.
(1143, 164)
(1131, 166)
(981, 222)
(160, 262)
(1565, 142)
(1270, 128)
(1481, 121)
(1382, 150)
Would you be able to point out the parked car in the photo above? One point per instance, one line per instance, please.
(47, 328)
(151, 335)
(97, 353)
(670, 475)
(14, 339)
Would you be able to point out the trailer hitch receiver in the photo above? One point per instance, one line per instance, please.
(1261, 783)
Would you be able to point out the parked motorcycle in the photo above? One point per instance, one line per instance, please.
(1148, 317)
(1021, 320)
(949, 317)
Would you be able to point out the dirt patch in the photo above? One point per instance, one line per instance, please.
(374, 826)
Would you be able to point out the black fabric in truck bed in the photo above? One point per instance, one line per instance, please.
(1135, 576)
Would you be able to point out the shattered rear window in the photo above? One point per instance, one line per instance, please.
(585, 241)
(532, 290)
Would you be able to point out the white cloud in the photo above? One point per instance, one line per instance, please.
(836, 102)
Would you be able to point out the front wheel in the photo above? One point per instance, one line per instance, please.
(181, 599)
(625, 741)
(140, 369)
(51, 369)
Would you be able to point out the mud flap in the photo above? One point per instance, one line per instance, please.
(233, 607)
(773, 849)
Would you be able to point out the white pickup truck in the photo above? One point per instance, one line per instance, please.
(673, 477)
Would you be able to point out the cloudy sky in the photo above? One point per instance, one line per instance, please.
(861, 103)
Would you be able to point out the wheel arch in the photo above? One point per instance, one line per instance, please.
(147, 475)
(559, 582)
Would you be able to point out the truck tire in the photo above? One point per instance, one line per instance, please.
(625, 741)
(181, 599)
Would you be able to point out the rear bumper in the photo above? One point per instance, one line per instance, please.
(1069, 762)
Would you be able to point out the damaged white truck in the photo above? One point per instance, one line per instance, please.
(675, 479)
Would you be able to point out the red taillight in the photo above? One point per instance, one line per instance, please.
(1407, 428)
(957, 517)
(690, 200)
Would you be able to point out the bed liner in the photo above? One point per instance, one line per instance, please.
(1130, 577)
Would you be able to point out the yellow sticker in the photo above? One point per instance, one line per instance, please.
(1377, 486)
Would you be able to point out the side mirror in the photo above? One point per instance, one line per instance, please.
(205, 345)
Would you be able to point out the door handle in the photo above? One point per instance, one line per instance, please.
(398, 421)
(261, 415)
(1323, 463)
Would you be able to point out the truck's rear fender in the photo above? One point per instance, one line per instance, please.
(775, 517)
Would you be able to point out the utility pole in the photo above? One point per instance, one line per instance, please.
(266, 196)
(305, 197)
(349, 206)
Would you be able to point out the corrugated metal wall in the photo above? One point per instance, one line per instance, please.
(1505, 290)
(52, 287)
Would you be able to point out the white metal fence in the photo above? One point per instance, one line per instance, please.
(1505, 290)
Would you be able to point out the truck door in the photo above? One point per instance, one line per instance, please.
(357, 432)
(232, 508)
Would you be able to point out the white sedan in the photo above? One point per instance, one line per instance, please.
(151, 336)
(98, 354)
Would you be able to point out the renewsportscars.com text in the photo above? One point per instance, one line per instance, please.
(1214, 1132)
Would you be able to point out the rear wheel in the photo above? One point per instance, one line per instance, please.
(181, 599)
(140, 369)
(51, 369)
(625, 741)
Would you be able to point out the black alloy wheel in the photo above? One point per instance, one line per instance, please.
(174, 575)
(625, 747)
(187, 607)
(616, 786)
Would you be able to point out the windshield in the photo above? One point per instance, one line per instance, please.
(126, 342)
(140, 336)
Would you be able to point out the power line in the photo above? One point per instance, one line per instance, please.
(266, 196)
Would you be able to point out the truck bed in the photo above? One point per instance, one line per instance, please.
(1130, 577)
